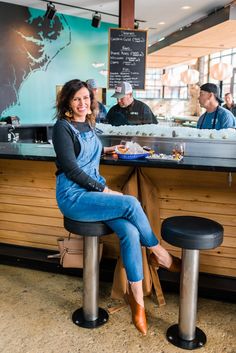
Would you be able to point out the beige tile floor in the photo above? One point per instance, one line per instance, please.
(35, 317)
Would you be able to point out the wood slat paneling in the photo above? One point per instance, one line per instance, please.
(33, 228)
(190, 192)
(195, 206)
(204, 194)
(30, 210)
(27, 219)
(221, 218)
(28, 201)
(28, 182)
(29, 215)
(27, 191)
(28, 237)
(221, 251)
(30, 244)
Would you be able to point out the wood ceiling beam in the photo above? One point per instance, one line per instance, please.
(126, 13)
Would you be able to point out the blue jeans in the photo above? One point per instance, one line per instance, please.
(125, 216)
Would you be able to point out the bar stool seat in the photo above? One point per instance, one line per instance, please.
(191, 234)
(90, 315)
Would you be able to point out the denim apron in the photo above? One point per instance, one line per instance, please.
(122, 213)
(67, 191)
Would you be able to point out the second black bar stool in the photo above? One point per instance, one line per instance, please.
(191, 234)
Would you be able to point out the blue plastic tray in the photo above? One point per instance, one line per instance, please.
(132, 156)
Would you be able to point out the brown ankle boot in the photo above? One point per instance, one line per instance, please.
(138, 313)
(174, 267)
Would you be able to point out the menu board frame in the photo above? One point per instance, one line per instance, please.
(127, 57)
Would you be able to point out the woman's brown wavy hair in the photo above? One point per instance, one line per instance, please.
(65, 95)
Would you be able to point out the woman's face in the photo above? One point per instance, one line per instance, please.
(80, 104)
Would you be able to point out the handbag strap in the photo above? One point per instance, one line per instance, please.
(70, 252)
(62, 257)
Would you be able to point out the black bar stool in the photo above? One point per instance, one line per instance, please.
(191, 234)
(90, 315)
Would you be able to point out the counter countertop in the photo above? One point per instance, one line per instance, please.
(45, 152)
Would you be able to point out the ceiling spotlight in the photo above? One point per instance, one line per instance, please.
(51, 11)
(96, 20)
(136, 24)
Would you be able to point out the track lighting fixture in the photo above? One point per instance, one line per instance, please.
(96, 20)
(51, 11)
(51, 7)
(96, 17)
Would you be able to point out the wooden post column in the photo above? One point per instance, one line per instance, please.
(126, 13)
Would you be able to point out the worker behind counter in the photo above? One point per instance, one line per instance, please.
(100, 109)
(229, 103)
(128, 110)
(215, 117)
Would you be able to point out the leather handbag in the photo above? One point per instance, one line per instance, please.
(71, 251)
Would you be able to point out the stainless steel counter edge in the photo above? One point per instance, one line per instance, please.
(38, 152)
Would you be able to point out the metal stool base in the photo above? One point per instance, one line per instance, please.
(172, 335)
(79, 320)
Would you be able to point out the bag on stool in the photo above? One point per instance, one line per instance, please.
(71, 251)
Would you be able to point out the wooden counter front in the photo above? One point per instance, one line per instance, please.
(29, 214)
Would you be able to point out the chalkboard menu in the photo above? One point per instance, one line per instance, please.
(127, 57)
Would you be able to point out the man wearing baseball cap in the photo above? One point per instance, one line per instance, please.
(101, 110)
(129, 111)
(229, 103)
(215, 117)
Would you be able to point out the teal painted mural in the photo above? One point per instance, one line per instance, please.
(37, 55)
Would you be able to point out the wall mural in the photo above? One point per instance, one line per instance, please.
(37, 54)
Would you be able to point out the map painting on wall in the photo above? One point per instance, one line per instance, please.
(37, 54)
(25, 48)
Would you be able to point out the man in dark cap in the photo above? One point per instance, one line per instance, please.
(215, 117)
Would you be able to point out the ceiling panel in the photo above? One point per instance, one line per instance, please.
(155, 11)
(151, 11)
(214, 39)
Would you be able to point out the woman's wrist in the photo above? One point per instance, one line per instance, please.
(108, 149)
(111, 149)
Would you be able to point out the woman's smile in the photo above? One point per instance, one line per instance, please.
(80, 104)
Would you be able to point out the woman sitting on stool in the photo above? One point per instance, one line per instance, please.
(82, 193)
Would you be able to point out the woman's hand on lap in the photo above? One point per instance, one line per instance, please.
(109, 191)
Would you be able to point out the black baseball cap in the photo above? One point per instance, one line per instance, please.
(212, 88)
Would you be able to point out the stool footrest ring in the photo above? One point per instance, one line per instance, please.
(79, 320)
(172, 335)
